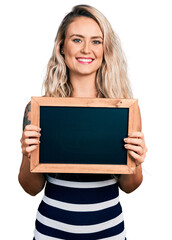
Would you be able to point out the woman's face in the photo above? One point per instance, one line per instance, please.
(83, 47)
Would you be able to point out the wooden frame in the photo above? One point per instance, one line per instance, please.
(133, 125)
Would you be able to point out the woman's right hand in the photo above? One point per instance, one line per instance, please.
(30, 139)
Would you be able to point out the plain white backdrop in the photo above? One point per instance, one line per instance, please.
(28, 30)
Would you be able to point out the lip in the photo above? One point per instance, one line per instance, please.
(85, 60)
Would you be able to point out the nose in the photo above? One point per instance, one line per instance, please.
(86, 48)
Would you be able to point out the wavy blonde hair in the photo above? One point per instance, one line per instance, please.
(111, 78)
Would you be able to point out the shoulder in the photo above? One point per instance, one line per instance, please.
(27, 115)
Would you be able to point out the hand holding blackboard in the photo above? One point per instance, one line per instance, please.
(83, 135)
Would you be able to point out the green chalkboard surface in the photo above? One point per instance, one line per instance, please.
(83, 135)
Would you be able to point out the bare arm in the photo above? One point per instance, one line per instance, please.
(32, 183)
(129, 182)
(135, 144)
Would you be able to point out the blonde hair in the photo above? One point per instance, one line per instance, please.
(111, 78)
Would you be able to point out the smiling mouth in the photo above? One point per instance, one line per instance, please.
(85, 60)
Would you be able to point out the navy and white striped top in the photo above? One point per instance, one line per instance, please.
(80, 207)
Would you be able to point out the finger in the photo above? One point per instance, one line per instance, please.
(135, 141)
(136, 135)
(29, 149)
(32, 128)
(27, 134)
(137, 149)
(31, 141)
(138, 159)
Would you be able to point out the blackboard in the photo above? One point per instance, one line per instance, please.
(82, 135)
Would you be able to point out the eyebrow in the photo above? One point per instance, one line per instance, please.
(81, 36)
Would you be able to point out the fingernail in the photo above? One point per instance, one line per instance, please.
(126, 145)
(125, 139)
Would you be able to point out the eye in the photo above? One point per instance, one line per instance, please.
(97, 42)
(77, 40)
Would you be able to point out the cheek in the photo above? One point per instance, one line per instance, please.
(70, 61)
(67, 61)
(100, 56)
(100, 53)
(68, 56)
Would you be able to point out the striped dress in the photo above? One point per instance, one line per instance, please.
(80, 207)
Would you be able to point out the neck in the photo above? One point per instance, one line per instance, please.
(83, 86)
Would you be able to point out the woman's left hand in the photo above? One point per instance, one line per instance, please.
(135, 144)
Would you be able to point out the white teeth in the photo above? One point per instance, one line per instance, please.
(85, 59)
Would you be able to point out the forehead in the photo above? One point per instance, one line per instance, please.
(84, 26)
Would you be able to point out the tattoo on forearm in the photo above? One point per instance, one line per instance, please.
(26, 121)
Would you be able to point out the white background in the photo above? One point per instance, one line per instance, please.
(28, 30)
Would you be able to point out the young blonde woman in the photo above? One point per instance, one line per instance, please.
(87, 61)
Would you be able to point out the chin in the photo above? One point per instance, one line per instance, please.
(87, 73)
